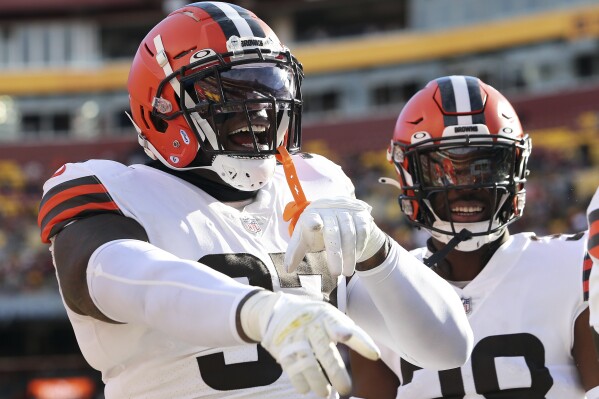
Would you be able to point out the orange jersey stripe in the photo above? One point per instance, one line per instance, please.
(66, 195)
(587, 266)
(593, 244)
(72, 213)
(587, 263)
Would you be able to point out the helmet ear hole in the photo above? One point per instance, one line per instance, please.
(143, 117)
(159, 124)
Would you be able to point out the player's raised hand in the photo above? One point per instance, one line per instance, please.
(341, 226)
(301, 334)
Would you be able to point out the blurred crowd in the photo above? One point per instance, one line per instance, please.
(25, 263)
(558, 192)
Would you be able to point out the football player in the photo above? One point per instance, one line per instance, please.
(461, 159)
(180, 277)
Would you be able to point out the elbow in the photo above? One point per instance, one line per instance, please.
(454, 340)
(447, 348)
(456, 352)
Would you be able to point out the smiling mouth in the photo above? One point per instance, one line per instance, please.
(243, 137)
(467, 213)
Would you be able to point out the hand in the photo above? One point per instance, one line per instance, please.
(593, 220)
(301, 335)
(341, 226)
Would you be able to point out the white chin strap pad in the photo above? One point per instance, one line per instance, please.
(471, 244)
(246, 174)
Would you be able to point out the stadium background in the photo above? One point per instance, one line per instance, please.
(63, 68)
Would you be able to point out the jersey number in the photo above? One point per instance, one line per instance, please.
(221, 376)
(484, 371)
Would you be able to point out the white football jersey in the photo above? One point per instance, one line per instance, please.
(248, 245)
(522, 308)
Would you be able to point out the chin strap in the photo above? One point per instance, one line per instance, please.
(463, 235)
(294, 209)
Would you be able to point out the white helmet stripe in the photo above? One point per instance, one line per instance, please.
(241, 24)
(283, 126)
(162, 60)
(462, 99)
(204, 129)
(202, 126)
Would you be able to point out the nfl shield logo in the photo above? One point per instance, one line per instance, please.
(467, 302)
(251, 225)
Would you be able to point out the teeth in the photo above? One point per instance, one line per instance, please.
(256, 129)
(260, 146)
(467, 209)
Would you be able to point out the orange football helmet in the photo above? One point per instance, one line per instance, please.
(458, 134)
(211, 86)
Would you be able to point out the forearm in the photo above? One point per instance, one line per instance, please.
(132, 281)
(420, 310)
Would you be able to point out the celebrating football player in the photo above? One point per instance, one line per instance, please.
(180, 277)
(461, 159)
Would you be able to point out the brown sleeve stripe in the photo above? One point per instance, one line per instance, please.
(87, 193)
(89, 201)
(61, 220)
(73, 200)
(586, 274)
(81, 181)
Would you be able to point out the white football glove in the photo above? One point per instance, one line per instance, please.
(301, 333)
(341, 226)
(593, 220)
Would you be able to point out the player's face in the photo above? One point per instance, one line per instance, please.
(240, 132)
(457, 177)
(464, 206)
(244, 104)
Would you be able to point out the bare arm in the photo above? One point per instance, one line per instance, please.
(584, 352)
(73, 247)
(372, 379)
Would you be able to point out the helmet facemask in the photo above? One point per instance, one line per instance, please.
(240, 111)
(473, 182)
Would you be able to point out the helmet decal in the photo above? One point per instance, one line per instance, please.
(206, 53)
(184, 136)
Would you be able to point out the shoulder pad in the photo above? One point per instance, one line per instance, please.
(73, 192)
